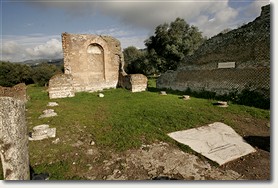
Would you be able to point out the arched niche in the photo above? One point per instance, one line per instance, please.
(95, 49)
(95, 55)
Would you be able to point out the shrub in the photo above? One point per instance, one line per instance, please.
(43, 73)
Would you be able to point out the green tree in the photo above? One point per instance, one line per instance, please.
(12, 74)
(43, 72)
(171, 43)
(137, 61)
(25, 73)
(131, 54)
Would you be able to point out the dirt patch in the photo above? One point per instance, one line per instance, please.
(158, 160)
(255, 166)
(164, 161)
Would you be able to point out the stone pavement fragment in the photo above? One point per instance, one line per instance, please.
(218, 142)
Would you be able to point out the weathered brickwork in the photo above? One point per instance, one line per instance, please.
(18, 91)
(248, 47)
(91, 63)
(61, 86)
(92, 60)
(221, 81)
(134, 82)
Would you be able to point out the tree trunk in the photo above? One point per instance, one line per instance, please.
(13, 139)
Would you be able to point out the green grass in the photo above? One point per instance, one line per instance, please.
(123, 120)
(120, 121)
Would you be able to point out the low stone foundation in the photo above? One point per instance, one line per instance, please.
(134, 82)
(60, 86)
(18, 92)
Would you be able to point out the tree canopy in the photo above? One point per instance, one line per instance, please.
(171, 43)
(137, 61)
(12, 74)
(15, 73)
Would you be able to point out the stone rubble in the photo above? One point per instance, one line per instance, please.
(52, 104)
(92, 143)
(186, 97)
(163, 93)
(41, 132)
(222, 104)
(90, 152)
(56, 141)
(48, 113)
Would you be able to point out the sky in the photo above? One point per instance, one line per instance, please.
(31, 29)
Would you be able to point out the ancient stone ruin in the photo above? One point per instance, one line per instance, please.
(92, 63)
(18, 91)
(13, 133)
(229, 62)
(41, 132)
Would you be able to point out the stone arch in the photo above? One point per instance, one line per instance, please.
(94, 49)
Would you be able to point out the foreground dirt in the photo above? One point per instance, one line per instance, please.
(255, 166)
(159, 161)
(163, 161)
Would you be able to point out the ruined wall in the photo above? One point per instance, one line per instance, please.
(220, 81)
(92, 60)
(61, 86)
(18, 91)
(13, 139)
(247, 47)
(92, 63)
(133, 82)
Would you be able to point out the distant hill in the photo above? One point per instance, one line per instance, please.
(36, 62)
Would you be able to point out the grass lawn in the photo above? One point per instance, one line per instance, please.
(120, 121)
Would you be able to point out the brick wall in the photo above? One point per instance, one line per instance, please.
(248, 47)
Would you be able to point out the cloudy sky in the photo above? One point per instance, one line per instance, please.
(31, 29)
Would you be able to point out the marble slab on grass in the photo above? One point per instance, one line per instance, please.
(218, 142)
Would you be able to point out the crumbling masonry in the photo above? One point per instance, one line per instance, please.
(92, 63)
(13, 133)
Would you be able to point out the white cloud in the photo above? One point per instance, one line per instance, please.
(20, 48)
(11, 50)
(38, 46)
(51, 49)
(217, 22)
(149, 14)
(126, 36)
(254, 8)
(11, 47)
(211, 17)
(136, 41)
